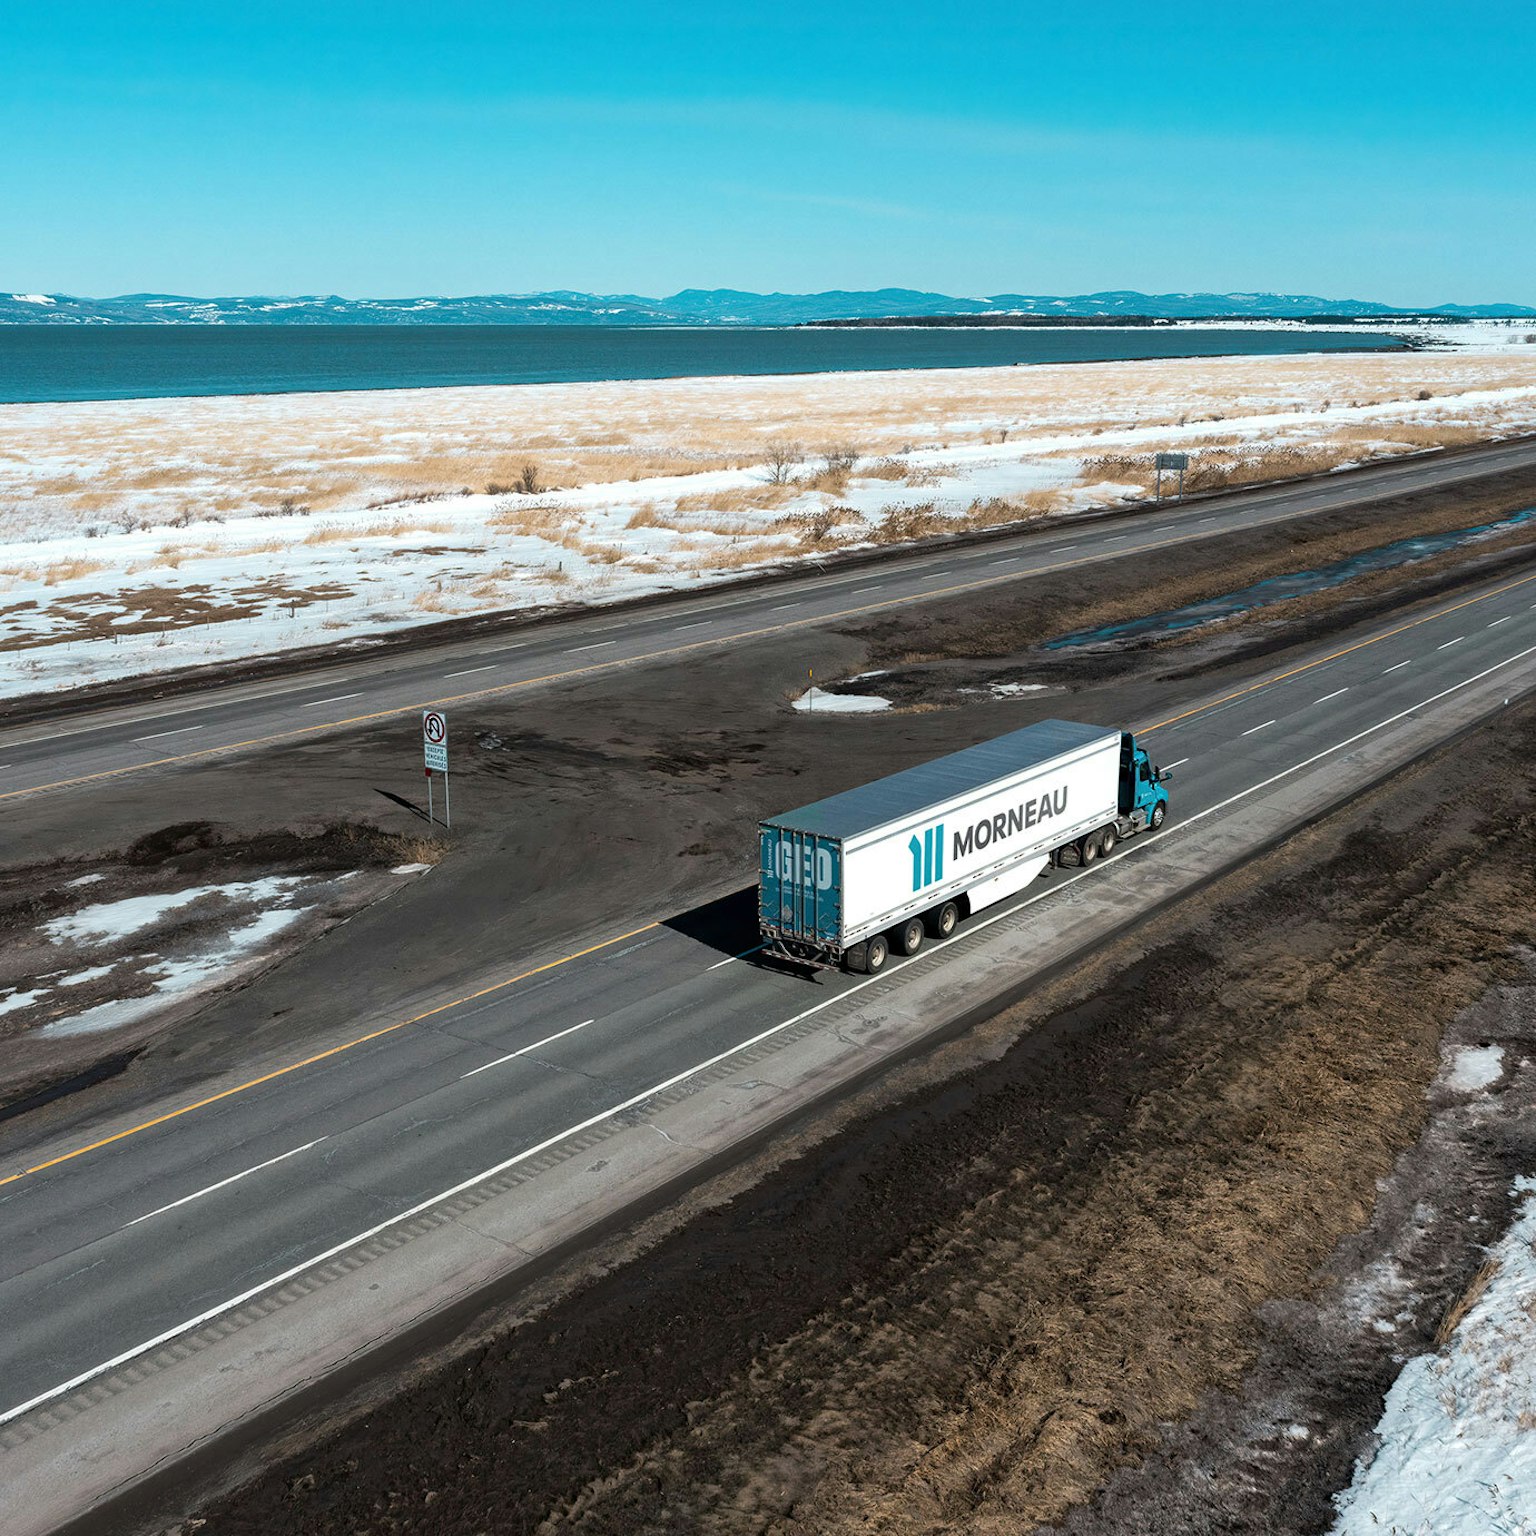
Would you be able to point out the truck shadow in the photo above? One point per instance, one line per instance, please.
(729, 927)
(728, 924)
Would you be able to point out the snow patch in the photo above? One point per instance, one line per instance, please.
(814, 702)
(1456, 1452)
(118, 919)
(409, 869)
(176, 978)
(1475, 1067)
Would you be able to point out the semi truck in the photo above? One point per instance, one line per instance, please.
(848, 880)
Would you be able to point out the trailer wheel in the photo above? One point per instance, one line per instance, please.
(1088, 849)
(909, 937)
(1159, 811)
(876, 952)
(943, 921)
(1108, 838)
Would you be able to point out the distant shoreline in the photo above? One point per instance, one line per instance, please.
(1131, 322)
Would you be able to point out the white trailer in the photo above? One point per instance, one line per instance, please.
(851, 877)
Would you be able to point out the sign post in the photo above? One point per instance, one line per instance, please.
(1178, 461)
(434, 751)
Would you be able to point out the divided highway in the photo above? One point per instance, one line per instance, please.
(160, 1244)
(79, 751)
(108, 1250)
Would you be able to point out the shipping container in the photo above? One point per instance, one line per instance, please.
(849, 878)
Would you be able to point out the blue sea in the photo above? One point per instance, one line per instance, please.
(125, 362)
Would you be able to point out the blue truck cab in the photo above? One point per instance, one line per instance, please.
(1143, 800)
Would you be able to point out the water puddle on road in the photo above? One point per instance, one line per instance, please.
(1277, 589)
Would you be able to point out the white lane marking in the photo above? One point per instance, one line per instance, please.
(341, 698)
(513, 1055)
(1061, 549)
(742, 956)
(180, 731)
(1449, 643)
(697, 624)
(595, 646)
(859, 591)
(1097, 868)
(1497, 622)
(1399, 664)
(1207, 519)
(780, 607)
(234, 1178)
(467, 670)
(1177, 762)
(1264, 727)
(1336, 692)
(1006, 560)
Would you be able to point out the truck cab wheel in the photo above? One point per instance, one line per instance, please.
(909, 937)
(943, 921)
(876, 952)
(1159, 812)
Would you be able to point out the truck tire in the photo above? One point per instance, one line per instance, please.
(1108, 838)
(1159, 811)
(876, 952)
(943, 921)
(1088, 849)
(909, 937)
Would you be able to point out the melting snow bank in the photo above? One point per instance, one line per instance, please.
(814, 702)
(1457, 1442)
(121, 961)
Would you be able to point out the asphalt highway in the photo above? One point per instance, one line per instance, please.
(110, 1247)
(90, 748)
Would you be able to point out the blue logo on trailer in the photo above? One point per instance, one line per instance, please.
(927, 857)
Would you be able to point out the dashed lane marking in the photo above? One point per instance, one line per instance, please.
(523, 1051)
(180, 730)
(1336, 692)
(234, 1178)
(340, 698)
(1252, 728)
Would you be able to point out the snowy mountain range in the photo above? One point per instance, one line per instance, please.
(693, 306)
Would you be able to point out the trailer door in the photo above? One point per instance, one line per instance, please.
(800, 885)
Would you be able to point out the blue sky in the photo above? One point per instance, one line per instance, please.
(1349, 149)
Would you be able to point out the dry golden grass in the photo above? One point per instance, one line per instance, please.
(151, 459)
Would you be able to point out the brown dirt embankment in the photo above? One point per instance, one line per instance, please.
(1016, 1260)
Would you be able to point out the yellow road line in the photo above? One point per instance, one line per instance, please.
(625, 661)
(335, 1050)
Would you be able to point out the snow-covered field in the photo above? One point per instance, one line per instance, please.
(141, 535)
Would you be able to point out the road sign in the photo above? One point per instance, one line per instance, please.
(434, 739)
(1170, 461)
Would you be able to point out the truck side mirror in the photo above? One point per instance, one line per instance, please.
(1164, 773)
